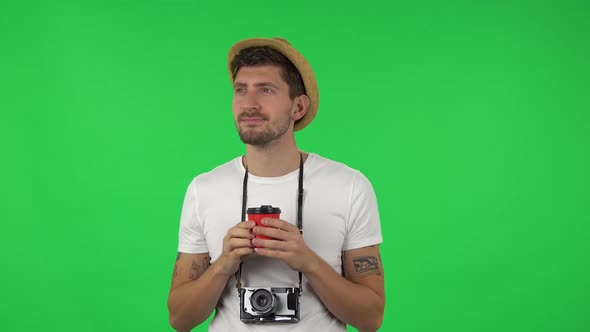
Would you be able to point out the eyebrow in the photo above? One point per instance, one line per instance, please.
(259, 84)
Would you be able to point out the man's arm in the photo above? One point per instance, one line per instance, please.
(195, 290)
(357, 299)
(197, 287)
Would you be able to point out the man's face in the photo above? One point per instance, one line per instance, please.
(261, 104)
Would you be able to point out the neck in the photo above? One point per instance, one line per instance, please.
(272, 160)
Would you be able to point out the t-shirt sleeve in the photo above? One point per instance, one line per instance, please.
(190, 236)
(363, 225)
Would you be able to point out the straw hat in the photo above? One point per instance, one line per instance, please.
(283, 46)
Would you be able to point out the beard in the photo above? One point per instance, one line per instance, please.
(264, 133)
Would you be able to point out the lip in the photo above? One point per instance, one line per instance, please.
(251, 120)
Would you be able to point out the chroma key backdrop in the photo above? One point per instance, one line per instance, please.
(470, 118)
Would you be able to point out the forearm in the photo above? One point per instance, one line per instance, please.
(191, 304)
(351, 303)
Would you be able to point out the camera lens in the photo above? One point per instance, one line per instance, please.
(263, 301)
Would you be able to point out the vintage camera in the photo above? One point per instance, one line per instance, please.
(269, 305)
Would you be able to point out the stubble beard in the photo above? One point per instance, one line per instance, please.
(263, 136)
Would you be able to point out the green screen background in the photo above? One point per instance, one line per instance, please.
(470, 118)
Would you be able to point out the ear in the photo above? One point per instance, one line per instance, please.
(300, 107)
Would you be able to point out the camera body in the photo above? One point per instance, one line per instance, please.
(261, 305)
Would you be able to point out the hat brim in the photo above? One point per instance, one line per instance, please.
(283, 46)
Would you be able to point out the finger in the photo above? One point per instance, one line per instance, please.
(279, 223)
(270, 253)
(239, 243)
(271, 232)
(270, 244)
(240, 233)
(243, 251)
(245, 224)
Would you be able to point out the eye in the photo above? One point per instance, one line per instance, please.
(266, 91)
(239, 90)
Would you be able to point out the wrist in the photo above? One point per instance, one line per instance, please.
(312, 264)
(219, 269)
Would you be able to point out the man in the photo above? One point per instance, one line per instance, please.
(275, 94)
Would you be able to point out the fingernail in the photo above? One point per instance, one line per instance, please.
(264, 221)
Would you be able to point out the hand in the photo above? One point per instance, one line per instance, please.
(237, 244)
(286, 244)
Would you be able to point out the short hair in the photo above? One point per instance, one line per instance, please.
(264, 55)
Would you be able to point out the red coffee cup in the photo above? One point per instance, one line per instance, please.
(256, 214)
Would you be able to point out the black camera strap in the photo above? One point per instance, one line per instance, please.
(238, 274)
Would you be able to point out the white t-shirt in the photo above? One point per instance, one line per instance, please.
(339, 213)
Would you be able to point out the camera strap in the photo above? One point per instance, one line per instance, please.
(238, 274)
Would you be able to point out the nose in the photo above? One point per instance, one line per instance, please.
(249, 101)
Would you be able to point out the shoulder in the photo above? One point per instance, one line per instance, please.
(227, 172)
(332, 168)
(324, 164)
(338, 174)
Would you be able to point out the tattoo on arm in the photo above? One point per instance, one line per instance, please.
(366, 265)
(197, 270)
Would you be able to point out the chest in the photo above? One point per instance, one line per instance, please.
(324, 216)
